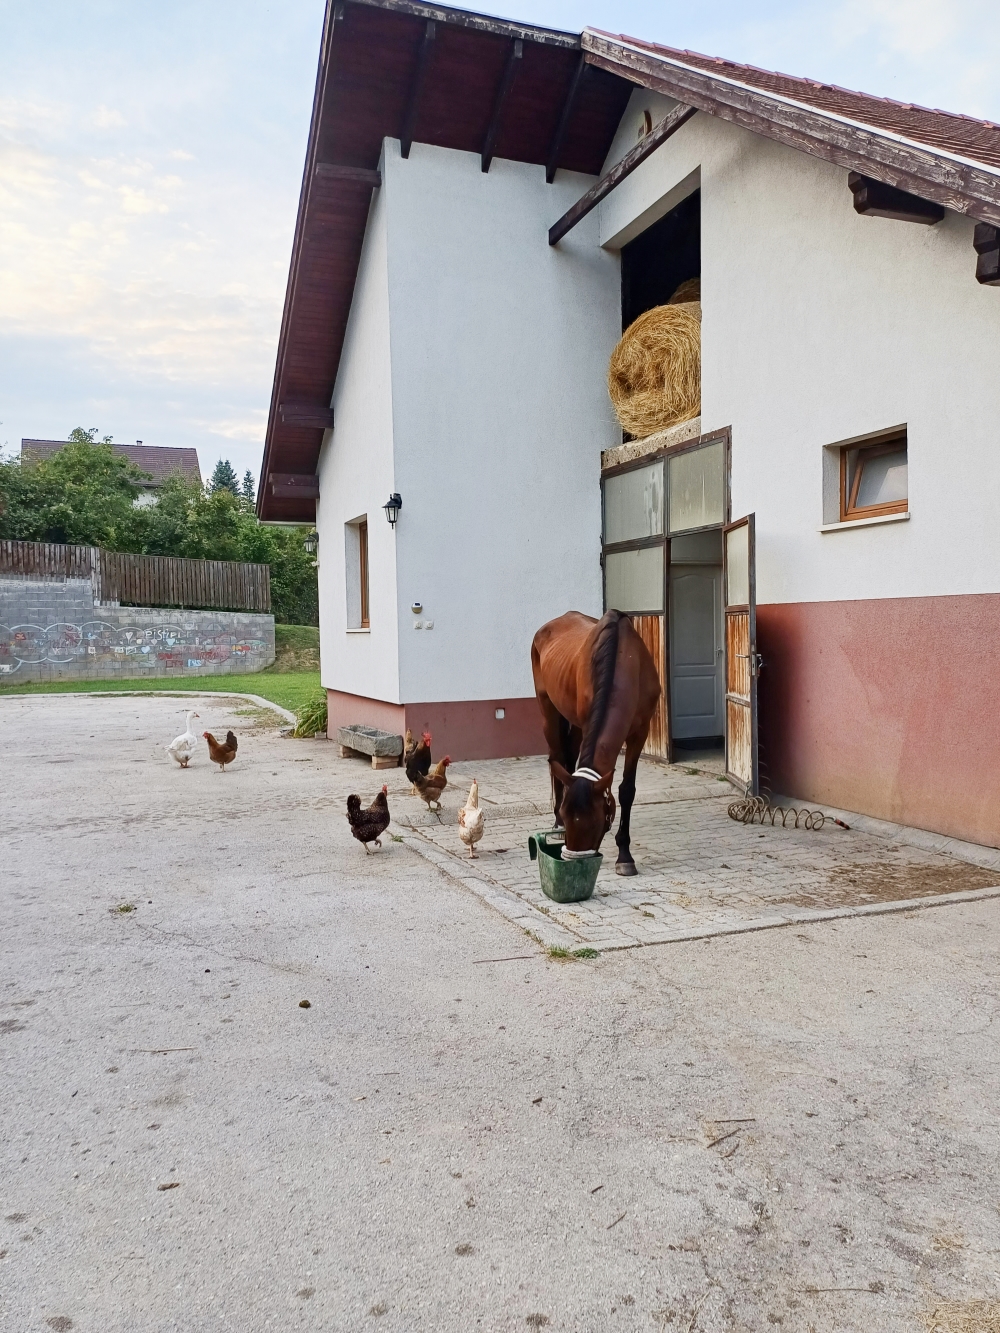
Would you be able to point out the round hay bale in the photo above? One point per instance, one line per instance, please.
(654, 378)
(687, 291)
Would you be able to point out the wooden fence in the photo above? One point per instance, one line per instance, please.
(143, 580)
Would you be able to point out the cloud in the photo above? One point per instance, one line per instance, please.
(106, 118)
(155, 275)
(181, 155)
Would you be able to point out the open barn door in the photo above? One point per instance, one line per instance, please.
(742, 660)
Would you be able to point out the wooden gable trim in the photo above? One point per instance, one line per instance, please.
(646, 146)
(955, 184)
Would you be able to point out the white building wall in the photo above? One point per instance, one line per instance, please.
(500, 346)
(356, 475)
(820, 325)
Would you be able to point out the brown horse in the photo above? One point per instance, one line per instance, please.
(597, 687)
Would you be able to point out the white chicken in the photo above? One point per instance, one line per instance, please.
(470, 820)
(184, 746)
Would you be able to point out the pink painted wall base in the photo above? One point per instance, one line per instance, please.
(462, 729)
(887, 707)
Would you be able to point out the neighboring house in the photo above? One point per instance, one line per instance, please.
(159, 461)
(847, 248)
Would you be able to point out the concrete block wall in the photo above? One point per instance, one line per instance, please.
(54, 631)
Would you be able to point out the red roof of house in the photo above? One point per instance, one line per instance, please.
(159, 461)
(965, 136)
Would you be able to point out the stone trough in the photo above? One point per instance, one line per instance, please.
(358, 742)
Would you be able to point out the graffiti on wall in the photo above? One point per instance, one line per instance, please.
(96, 644)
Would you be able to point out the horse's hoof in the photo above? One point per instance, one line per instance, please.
(625, 868)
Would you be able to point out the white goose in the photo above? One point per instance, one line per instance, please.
(184, 746)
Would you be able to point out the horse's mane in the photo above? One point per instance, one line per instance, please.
(602, 668)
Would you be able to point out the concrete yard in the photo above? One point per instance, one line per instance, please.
(774, 1128)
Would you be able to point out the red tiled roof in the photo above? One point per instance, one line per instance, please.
(159, 461)
(978, 140)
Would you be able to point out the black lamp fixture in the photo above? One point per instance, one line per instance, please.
(311, 542)
(392, 507)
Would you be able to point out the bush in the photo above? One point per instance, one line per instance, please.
(312, 718)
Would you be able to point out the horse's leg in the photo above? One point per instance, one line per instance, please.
(553, 728)
(626, 795)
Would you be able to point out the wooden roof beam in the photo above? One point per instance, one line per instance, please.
(986, 240)
(335, 171)
(503, 88)
(873, 199)
(310, 415)
(294, 485)
(413, 101)
(647, 145)
(564, 118)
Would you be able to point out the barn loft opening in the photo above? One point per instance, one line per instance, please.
(662, 257)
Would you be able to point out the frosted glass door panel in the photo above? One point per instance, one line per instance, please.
(633, 580)
(697, 487)
(633, 505)
(738, 566)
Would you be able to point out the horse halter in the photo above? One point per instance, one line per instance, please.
(609, 800)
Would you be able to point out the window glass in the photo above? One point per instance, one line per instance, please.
(697, 487)
(738, 566)
(633, 580)
(883, 479)
(633, 505)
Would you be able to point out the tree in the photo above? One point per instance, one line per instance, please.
(83, 495)
(249, 492)
(224, 478)
(80, 436)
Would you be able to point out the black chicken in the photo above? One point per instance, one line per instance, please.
(417, 759)
(369, 825)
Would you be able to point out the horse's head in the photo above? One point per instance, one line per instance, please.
(588, 808)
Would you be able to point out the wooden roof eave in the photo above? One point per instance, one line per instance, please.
(944, 178)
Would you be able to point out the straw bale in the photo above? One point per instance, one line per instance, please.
(654, 379)
(687, 291)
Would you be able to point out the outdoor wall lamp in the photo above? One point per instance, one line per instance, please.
(311, 542)
(392, 507)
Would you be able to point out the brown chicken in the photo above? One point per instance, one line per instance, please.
(429, 788)
(368, 825)
(417, 759)
(221, 754)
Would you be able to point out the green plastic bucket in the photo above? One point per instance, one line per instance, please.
(562, 881)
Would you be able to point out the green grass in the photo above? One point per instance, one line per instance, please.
(290, 689)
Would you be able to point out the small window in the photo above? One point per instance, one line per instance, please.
(873, 479)
(363, 571)
(356, 569)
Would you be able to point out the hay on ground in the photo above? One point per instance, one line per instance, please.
(963, 1317)
(654, 378)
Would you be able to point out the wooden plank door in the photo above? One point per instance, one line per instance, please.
(652, 631)
(742, 661)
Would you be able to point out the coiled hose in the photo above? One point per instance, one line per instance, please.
(760, 809)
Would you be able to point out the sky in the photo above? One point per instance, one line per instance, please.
(151, 157)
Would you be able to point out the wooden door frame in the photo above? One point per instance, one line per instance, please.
(633, 465)
(749, 520)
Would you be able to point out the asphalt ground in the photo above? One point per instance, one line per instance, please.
(791, 1128)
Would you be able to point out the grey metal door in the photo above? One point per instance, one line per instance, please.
(697, 668)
